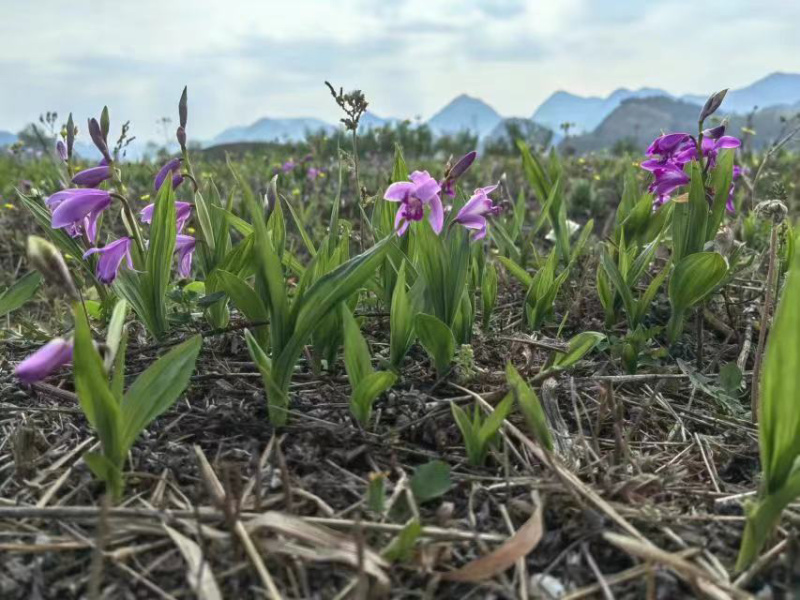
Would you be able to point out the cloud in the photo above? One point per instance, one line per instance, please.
(246, 59)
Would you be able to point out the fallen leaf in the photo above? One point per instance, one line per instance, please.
(517, 546)
(200, 576)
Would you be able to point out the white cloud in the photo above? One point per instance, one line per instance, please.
(244, 59)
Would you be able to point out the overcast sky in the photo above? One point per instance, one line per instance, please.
(246, 59)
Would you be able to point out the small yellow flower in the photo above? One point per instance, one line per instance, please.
(68, 256)
(296, 192)
(9, 206)
(146, 197)
(581, 161)
(597, 177)
(320, 175)
(190, 230)
(636, 164)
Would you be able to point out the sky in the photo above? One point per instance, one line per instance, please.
(247, 59)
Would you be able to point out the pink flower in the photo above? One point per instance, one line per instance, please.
(423, 190)
(473, 214)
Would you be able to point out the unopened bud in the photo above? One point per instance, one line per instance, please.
(183, 108)
(180, 134)
(46, 259)
(96, 133)
(71, 131)
(712, 104)
(105, 123)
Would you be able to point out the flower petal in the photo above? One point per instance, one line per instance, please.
(436, 216)
(398, 191)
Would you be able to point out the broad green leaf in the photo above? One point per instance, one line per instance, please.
(430, 481)
(578, 347)
(357, 357)
(488, 294)
(115, 331)
(367, 391)
(531, 407)
(245, 299)
(158, 263)
(401, 548)
(518, 272)
(20, 292)
(721, 184)
(95, 397)
(157, 388)
(401, 321)
(694, 278)
(494, 421)
(437, 339)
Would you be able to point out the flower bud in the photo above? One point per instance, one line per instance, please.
(71, 131)
(61, 150)
(712, 104)
(46, 259)
(183, 108)
(180, 134)
(772, 209)
(105, 123)
(96, 133)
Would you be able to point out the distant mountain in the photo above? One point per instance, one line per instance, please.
(370, 120)
(585, 112)
(465, 113)
(513, 128)
(7, 138)
(271, 130)
(777, 89)
(640, 121)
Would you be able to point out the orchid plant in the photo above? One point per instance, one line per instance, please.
(436, 256)
(134, 268)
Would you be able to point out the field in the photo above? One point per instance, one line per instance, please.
(333, 370)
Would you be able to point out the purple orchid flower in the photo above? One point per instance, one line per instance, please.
(312, 173)
(184, 248)
(111, 256)
(456, 171)
(289, 165)
(737, 173)
(61, 150)
(92, 177)
(78, 209)
(172, 168)
(414, 195)
(473, 214)
(183, 212)
(52, 356)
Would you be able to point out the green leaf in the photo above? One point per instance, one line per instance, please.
(469, 432)
(114, 332)
(401, 321)
(488, 294)
(578, 347)
(401, 548)
(430, 481)
(20, 292)
(690, 217)
(246, 300)
(158, 263)
(489, 428)
(779, 418)
(531, 407)
(324, 296)
(721, 183)
(694, 278)
(646, 300)
(730, 378)
(617, 280)
(367, 391)
(437, 339)
(301, 229)
(357, 357)
(157, 388)
(105, 471)
(96, 399)
(515, 270)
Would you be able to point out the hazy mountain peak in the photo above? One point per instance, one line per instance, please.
(465, 113)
